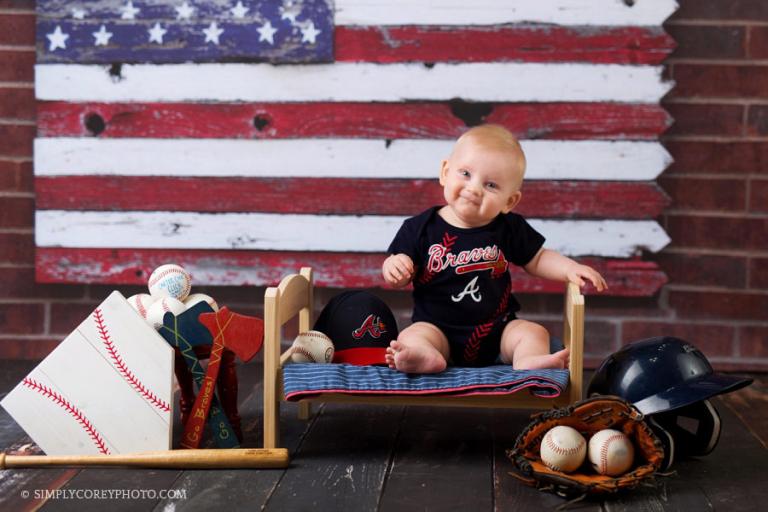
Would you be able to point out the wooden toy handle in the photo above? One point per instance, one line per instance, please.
(193, 430)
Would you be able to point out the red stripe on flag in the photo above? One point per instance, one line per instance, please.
(263, 268)
(543, 199)
(360, 120)
(527, 43)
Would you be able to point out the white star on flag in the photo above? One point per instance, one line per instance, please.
(78, 14)
(129, 11)
(184, 11)
(212, 33)
(58, 39)
(102, 36)
(156, 34)
(289, 12)
(239, 10)
(267, 33)
(309, 33)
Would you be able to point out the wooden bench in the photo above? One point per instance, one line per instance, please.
(294, 296)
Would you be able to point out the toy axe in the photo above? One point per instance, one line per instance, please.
(241, 334)
(185, 332)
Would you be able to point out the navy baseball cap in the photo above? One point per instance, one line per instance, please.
(360, 325)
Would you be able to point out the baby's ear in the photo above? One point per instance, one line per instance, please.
(513, 200)
(443, 171)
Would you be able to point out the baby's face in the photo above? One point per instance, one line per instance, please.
(479, 183)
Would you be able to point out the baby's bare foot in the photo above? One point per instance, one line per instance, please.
(389, 355)
(415, 358)
(558, 360)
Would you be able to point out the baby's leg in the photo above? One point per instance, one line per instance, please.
(526, 345)
(420, 348)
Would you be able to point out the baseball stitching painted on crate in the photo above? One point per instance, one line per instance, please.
(243, 140)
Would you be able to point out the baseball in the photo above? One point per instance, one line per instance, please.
(196, 298)
(170, 281)
(563, 449)
(141, 303)
(312, 347)
(160, 307)
(611, 452)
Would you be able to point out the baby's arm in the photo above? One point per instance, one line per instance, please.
(398, 270)
(553, 265)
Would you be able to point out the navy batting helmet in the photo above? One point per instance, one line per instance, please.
(661, 374)
(670, 381)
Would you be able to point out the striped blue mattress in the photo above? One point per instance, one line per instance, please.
(304, 380)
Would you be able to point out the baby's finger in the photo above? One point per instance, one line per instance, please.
(404, 271)
(391, 277)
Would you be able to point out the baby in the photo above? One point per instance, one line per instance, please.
(457, 256)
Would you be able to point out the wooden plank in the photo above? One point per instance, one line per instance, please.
(525, 43)
(294, 232)
(333, 158)
(347, 81)
(414, 120)
(732, 477)
(444, 12)
(334, 270)
(342, 461)
(338, 196)
(670, 494)
(14, 481)
(750, 404)
(442, 458)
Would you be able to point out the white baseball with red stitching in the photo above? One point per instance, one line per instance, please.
(197, 298)
(170, 281)
(611, 452)
(158, 310)
(312, 347)
(141, 303)
(563, 449)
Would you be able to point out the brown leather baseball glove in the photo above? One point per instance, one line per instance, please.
(588, 417)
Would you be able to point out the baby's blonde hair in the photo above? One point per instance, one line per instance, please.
(496, 137)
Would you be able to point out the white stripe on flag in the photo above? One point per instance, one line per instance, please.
(352, 82)
(290, 232)
(326, 158)
(493, 12)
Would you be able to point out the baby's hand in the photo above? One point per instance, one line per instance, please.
(398, 270)
(577, 273)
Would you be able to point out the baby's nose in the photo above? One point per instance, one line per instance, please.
(474, 188)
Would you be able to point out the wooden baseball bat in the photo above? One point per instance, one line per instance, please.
(233, 458)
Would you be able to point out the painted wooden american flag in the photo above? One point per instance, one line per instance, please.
(245, 139)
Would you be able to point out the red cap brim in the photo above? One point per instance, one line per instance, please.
(361, 356)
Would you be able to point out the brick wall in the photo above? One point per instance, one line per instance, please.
(718, 219)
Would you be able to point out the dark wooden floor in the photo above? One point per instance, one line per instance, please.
(350, 458)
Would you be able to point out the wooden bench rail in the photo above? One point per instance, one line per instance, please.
(294, 296)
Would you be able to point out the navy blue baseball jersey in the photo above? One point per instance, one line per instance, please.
(462, 284)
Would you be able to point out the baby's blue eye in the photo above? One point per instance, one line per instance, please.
(491, 184)
(463, 172)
